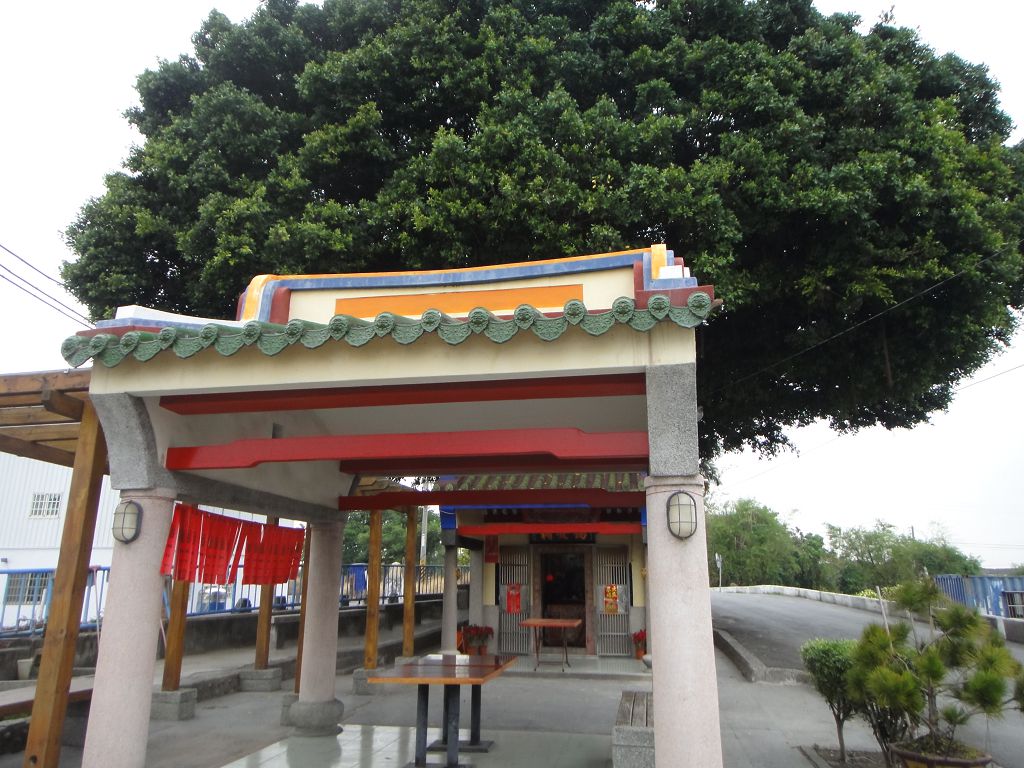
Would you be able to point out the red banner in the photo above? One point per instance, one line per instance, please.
(208, 549)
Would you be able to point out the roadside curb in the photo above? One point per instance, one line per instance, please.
(751, 667)
(812, 754)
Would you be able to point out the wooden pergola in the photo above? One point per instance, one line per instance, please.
(47, 416)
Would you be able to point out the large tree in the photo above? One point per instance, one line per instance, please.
(815, 175)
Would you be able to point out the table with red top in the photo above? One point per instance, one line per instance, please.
(451, 671)
(539, 625)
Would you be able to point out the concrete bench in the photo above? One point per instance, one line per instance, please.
(16, 705)
(633, 734)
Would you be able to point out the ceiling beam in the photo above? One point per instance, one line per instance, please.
(28, 383)
(38, 433)
(496, 529)
(58, 402)
(36, 451)
(539, 448)
(595, 498)
(612, 385)
(30, 414)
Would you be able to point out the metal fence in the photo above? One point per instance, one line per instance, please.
(994, 595)
(26, 594)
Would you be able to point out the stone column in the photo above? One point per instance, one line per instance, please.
(682, 645)
(450, 606)
(122, 694)
(476, 584)
(679, 596)
(318, 711)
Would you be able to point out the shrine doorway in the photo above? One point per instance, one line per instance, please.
(564, 589)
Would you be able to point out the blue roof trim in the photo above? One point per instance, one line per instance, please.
(420, 279)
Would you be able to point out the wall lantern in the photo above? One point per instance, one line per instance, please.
(127, 522)
(682, 514)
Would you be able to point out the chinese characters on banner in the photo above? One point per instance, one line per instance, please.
(513, 598)
(208, 549)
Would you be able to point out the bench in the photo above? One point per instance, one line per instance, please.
(633, 735)
(17, 703)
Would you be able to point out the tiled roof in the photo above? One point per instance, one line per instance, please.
(185, 341)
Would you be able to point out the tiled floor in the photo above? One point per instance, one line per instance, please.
(374, 746)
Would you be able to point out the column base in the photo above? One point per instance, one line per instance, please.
(174, 705)
(316, 718)
(286, 704)
(260, 679)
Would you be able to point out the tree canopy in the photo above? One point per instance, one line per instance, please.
(817, 176)
(759, 548)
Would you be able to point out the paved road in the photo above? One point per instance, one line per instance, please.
(773, 627)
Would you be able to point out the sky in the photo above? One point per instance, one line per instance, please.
(68, 79)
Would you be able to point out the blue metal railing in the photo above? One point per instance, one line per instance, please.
(25, 594)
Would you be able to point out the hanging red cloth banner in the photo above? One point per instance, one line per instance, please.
(209, 549)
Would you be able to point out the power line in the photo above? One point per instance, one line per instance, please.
(31, 266)
(44, 301)
(39, 290)
(857, 325)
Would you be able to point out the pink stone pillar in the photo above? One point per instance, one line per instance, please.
(686, 726)
(119, 715)
(318, 711)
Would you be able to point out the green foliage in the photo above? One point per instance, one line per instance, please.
(815, 175)
(898, 679)
(357, 538)
(879, 556)
(829, 663)
(756, 547)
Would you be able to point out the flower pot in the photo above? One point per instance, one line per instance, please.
(639, 651)
(910, 758)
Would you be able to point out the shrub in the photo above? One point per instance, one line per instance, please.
(829, 662)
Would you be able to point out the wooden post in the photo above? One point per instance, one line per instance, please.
(175, 646)
(373, 591)
(302, 610)
(43, 745)
(409, 588)
(263, 625)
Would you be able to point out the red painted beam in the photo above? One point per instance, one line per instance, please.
(484, 465)
(496, 529)
(612, 385)
(527, 446)
(597, 498)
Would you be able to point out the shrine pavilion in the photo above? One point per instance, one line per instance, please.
(554, 401)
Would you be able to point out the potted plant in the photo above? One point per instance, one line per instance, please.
(916, 691)
(476, 638)
(640, 643)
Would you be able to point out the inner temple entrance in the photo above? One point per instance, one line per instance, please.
(564, 595)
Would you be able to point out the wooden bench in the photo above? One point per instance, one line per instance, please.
(633, 734)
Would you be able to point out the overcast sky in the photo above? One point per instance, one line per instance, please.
(69, 75)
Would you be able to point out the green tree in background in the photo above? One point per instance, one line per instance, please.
(879, 556)
(756, 546)
(815, 175)
(759, 548)
(357, 538)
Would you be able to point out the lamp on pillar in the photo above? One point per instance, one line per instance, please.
(682, 514)
(127, 522)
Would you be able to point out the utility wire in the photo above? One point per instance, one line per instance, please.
(44, 301)
(31, 266)
(39, 290)
(857, 325)
(818, 447)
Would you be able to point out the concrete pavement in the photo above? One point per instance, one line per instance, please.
(539, 720)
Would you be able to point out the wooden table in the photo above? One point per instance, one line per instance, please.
(539, 625)
(451, 671)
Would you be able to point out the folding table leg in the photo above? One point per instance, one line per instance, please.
(422, 699)
(474, 715)
(451, 695)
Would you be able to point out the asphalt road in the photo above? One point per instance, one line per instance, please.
(773, 627)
